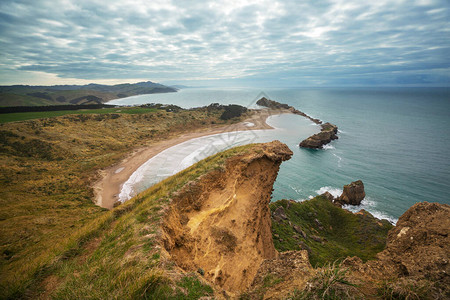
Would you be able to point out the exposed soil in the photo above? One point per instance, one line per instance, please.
(417, 253)
(220, 225)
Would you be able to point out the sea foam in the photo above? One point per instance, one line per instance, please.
(367, 204)
(328, 147)
(333, 191)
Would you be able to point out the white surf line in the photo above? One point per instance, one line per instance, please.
(127, 189)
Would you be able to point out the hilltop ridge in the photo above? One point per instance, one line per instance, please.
(26, 95)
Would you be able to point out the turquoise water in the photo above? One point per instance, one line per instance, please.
(394, 139)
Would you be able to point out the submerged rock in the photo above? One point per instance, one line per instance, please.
(353, 193)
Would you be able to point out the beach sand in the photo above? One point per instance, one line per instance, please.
(108, 187)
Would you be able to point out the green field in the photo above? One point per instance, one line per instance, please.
(13, 117)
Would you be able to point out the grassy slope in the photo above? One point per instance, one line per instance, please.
(343, 233)
(116, 255)
(22, 99)
(10, 99)
(46, 167)
(14, 117)
(19, 95)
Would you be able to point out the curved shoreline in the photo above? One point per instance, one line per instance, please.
(108, 187)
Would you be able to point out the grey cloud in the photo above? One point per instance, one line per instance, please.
(320, 41)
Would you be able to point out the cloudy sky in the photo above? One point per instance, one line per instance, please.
(235, 43)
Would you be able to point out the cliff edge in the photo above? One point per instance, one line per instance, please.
(219, 225)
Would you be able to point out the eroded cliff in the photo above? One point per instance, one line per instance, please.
(220, 224)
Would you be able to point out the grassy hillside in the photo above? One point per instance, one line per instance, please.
(328, 232)
(47, 167)
(23, 95)
(116, 254)
(14, 117)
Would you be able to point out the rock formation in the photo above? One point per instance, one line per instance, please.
(353, 193)
(326, 135)
(272, 104)
(221, 223)
(220, 227)
(417, 254)
(277, 105)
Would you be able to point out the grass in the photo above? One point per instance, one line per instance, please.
(331, 233)
(407, 289)
(117, 255)
(14, 117)
(329, 283)
(46, 202)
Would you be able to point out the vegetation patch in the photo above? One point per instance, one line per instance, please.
(330, 282)
(405, 288)
(328, 232)
(46, 169)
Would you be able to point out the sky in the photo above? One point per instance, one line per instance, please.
(226, 43)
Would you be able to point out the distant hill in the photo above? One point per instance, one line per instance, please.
(26, 95)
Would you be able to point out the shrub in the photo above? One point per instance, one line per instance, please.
(232, 111)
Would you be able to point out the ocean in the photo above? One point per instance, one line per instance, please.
(396, 140)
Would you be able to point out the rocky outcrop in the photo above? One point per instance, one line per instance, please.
(417, 255)
(272, 104)
(326, 135)
(221, 224)
(353, 194)
(419, 245)
(280, 106)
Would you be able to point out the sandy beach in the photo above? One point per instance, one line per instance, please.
(108, 187)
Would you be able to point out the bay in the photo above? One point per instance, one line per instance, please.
(396, 140)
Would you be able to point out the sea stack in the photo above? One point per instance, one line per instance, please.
(353, 193)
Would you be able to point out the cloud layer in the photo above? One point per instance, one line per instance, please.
(335, 42)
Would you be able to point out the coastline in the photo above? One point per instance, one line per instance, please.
(108, 187)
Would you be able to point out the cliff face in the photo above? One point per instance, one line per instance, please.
(220, 225)
(419, 245)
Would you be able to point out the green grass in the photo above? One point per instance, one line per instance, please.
(340, 233)
(116, 256)
(47, 167)
(14, 117)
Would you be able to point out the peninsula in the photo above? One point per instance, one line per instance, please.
(316, 141)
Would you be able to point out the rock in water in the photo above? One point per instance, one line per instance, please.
(353, 193)
(326, 135)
